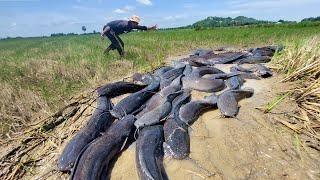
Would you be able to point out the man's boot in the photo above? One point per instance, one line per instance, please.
(122, 54)
(106, 51)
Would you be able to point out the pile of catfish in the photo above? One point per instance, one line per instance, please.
(159, 111)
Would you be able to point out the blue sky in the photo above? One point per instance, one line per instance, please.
(43, 17)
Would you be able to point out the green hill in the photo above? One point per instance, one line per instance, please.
(312, 19)
(224, 22)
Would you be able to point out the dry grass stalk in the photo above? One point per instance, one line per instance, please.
(23, 153)
(18, 107)
(302, 64)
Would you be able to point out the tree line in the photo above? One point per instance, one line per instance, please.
(241, 21)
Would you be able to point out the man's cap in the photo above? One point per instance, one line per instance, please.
(135, 18)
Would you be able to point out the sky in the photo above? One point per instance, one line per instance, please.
(28, 18)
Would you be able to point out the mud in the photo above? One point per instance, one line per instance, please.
(250, 147)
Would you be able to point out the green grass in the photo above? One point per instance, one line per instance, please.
(275, 102)
(54, 68)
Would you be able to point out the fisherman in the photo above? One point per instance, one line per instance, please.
(114, 28)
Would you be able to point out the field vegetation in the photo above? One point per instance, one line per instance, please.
(39, 75)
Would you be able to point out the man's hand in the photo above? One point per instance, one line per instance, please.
(112, 32)
(102, 36)
(154, 27)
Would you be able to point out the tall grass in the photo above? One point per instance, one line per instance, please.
(300, 61)
(39, 74)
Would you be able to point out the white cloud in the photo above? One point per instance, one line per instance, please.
(129, 8)
(145, 2)
(119, 11)
(126, 9)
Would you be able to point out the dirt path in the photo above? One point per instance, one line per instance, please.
(254, 146)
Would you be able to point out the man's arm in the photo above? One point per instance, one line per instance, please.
(147, 27)
(106, 29)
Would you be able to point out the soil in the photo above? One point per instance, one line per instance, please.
(253, 146)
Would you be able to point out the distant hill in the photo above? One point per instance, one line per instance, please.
(224, 22)
(312, 19)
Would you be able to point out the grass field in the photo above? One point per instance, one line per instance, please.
(38, 75)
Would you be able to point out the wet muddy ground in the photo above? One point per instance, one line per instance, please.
(250, 147)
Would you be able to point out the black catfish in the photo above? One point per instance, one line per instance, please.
(162, 70)
(200, 52)
(201, 71)
(119, 88)
(190, 112)
(169, 76)
(245, 75)
(93, 163)
(159, 98)
(224, 76)
(203, 84)
(255, 60)
(144, 78)
(234, 82)
(136, 100)
(177, 140)
(187, 70)
(250, 69)
(149, 153)
(228, 101)
(100, 121)
(199, 62)
(157, 114)
(263, 71)
(228, 104)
